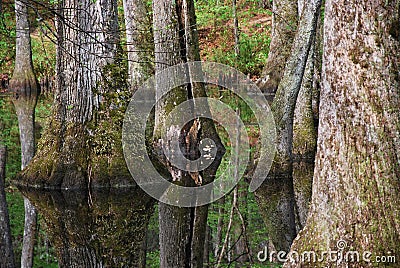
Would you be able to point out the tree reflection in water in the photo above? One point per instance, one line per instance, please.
(103, 228)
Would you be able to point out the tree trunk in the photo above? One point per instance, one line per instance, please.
(30, 231)
(220, 225)
(284, 25)
(6, 252)
(276, 195)
(236, 33)
(176, 41)
(304, 138)
(355, 198)
(25, 87)
(139, 39)
(240, 228)
(80, 149)
(175, 223)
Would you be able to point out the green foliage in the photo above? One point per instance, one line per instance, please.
(10, 137)
(16, 210)
(44, 253)
(253, 53)
(7, 40)
(153, 259)
(43, 55)
(215, 17)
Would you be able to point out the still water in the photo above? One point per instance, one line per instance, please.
(100, 228)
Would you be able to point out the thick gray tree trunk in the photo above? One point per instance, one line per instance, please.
(139, 39)
(87, 36)
(276, 195)
(355, 196)
(6, 252)
(25, 87)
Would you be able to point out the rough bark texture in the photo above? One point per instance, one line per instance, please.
(182, 230)
(139, 39)
(87, 43)
(356, 179)
(26, 89)
(6, 252)
(284, 25)
(304, 138)
(304, 132)
(276, 195)
(303, 172)
(174, 223)
(103, 228)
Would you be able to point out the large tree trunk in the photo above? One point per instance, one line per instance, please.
(175, 223)
(276, 195)
(356, 179)
(139, 41)
(6, 252)
(284, 26)
(81, 148)
(182, 230)
(25, 87)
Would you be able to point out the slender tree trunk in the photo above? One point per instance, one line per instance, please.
(235, 28)
(25, 87)
(355, 197)
(6, 252)
(207, 244)
(304, 138)
(30, 231)
(284, 25)
(276, 195)
(240, 228)
(220, 226)
(139, 40)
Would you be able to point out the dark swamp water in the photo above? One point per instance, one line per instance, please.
(100, 228)
(108, 227)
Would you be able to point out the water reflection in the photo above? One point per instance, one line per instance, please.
(101, 228)
(303, 172)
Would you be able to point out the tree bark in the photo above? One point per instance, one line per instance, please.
(139, 39)
(6, 252)
(26, 89)
(174, 223)
(74, 152)
(284, 25)
(304, 138)
(357, 171)
(276, 194)
(176, 41)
